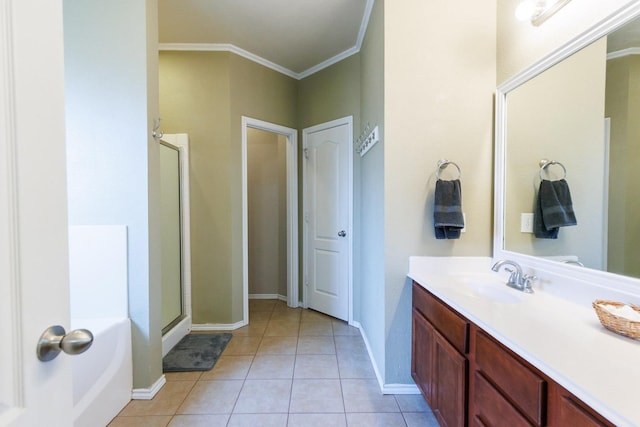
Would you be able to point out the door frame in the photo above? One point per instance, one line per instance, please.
(305, 203)
(180, 142)
(292, 211)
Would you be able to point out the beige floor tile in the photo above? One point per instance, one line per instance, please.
(420, 419)
(282, 328)
(343, 328)
(229, 368)
(183, 376)
(212, 397)
(315, 316)
(259, 316)
(166, 402)
(262, 305)
(278, 345)
(264, 397)
(255, 328)
(316, 366)
(355, 366)
(317, 420)
(288, 314)
(316, 397)
(316, 328)
(199, 421)
(272, 366)
(281, 305)
(350, 344)
(375, 420)
(316, 345)
(148, 421)
(242, 346)
(258, 420)
(362, 395)
(412, 403)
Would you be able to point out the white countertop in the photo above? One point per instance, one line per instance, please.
(563, 339)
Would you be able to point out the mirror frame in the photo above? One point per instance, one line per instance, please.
(602, 278)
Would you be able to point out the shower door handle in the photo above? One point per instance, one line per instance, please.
(54, 340)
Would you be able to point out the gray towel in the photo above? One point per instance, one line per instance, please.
(447, 209)
(554, 209)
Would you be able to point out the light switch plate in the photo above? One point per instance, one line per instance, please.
(526, 223)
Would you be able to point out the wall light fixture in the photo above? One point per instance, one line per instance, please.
(538, 11)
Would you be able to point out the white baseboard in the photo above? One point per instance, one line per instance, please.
(217, 326)
(400, 389)
(268, 296)
(148, 393)
(384, 388)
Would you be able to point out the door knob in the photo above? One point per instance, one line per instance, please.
(54, 340)
(342, 233)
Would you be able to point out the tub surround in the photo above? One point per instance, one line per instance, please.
(555, 329)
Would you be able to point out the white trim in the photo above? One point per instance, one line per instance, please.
(180, 142)
(173, 337)
(148, 393)
(623, 52)
(217, 326)
(400, 389)
(12, 397)
(372, 359)
(305, 132)
(602, 279)
(292, 210)
(228, 47)
(268, 296)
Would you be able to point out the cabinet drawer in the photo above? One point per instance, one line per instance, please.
(446, 321)
(491, 408)
(523, 387)
(572, 412)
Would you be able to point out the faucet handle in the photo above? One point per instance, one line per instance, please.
(527, 279)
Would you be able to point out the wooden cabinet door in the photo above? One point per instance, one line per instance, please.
(422, 345)
(449, 392)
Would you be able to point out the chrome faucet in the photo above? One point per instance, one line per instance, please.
(517, 279)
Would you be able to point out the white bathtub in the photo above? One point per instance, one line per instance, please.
(102, 376)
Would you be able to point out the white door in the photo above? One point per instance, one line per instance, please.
(34, 290)
(328, 156)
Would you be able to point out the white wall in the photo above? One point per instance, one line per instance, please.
(113, 162)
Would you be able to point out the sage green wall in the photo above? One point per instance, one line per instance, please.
(439, 81)
(623, 107)
(205, 94)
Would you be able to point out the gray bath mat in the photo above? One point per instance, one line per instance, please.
(195, 352)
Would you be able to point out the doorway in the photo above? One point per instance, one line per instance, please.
(328, 214)
(176, 254)
(290, 162)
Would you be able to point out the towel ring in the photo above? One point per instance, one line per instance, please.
(442, 164)
(544, 163)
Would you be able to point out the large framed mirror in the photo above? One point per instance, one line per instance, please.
(578, 108)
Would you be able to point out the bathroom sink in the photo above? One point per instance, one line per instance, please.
(488, 288)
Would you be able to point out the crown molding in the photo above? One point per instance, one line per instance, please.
(227, 47)
(623, 52)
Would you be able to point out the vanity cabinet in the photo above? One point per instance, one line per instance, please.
(439, 365)
(469, 378)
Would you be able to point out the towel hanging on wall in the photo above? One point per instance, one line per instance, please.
(447, 209)
(554, 209)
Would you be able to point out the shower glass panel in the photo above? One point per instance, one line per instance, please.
(172, 307)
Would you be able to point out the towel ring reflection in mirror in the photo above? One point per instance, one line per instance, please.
(544, 163)
(442, 164)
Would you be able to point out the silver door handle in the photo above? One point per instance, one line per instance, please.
(342, 233)
(54, 340)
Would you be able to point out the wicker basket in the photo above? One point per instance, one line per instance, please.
(617, 324)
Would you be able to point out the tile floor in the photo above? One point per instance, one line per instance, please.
(289, 367)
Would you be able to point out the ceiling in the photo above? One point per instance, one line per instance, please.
(295, 37)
